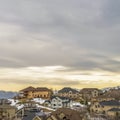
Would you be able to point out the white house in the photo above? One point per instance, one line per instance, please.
(60, 102)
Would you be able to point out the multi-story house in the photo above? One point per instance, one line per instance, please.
(65, 114)
(31, 92)
(113, 94)
(102, 98)
(89, 93)
(114, 113)
(62, 114)
(7, 112)
(60, 102)
(68, 92)
(104, 107)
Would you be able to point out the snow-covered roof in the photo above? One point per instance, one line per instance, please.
(38, 100)
(77, 104)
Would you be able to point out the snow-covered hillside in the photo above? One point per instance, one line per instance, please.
(111, 88)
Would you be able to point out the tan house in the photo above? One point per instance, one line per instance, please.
(113, 94)
(102, 98)
(65, 114)
(7, 112)
(114, 113)
(89, 93)
(68, 92)
(31, 92)
(104, 107)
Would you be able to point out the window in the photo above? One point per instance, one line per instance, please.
(45, 96)
(103, 112)
(64, 118)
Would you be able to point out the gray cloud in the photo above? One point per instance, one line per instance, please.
(74, 34)
(111, 12)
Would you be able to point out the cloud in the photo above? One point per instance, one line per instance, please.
(55, 77)
(79, 35)
(111, 12)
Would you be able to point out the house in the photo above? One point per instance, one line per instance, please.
(31, 92)
(113, 94)
(114, 113)
(102, 98)
(58, 102)
(7, 112)
(68, 92)
(89, 93)
(65, 114)
(105, 107)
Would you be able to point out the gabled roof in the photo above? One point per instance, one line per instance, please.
(69, 114)
(104, 96)
(35, 89)
(113, 93)
(110, 103)
(114, 109)
(42, 89)
(37, 118)
(67, 89)
(88, 90)
(28, 89)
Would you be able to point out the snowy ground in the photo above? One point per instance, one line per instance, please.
(16, 104)
(77, 104)
(40, 106)
(38, 102)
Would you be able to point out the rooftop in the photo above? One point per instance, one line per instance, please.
(115, 109)
(110, 103)
(35, 89)
(69, 114)
(84, 90)
(7, 107)
(28, 89)
(67, 89)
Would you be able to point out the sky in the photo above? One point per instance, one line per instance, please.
(59, 43)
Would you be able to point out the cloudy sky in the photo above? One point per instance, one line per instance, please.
(56, 43)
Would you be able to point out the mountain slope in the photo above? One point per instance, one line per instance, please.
(7, 94)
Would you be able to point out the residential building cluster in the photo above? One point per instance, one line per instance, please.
(66, 104)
